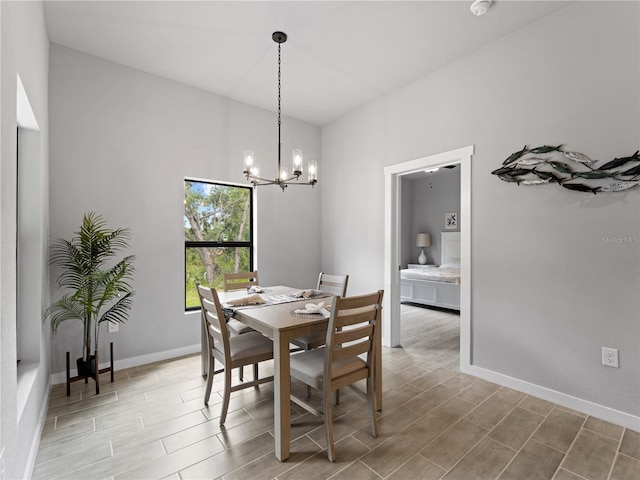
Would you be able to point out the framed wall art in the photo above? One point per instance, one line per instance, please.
(451, 221)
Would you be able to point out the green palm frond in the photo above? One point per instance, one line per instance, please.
(118, 312)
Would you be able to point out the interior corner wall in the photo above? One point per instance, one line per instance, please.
(122, 143)
(555, 273)
(24, 52)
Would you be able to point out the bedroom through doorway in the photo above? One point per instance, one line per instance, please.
(401, 250)
(430, 264)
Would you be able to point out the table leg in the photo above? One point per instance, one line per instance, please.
(282, 393)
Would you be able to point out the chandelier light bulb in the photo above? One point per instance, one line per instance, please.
(312, 172)
(248, 160)
(297, 162)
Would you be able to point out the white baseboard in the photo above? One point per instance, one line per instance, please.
(593, 409)
(61, 377)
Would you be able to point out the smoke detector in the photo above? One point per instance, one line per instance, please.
(480, 7)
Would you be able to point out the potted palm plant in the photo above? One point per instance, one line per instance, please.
(94, 289)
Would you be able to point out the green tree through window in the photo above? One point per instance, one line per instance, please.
(218, 236)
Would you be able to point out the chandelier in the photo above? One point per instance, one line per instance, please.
(251, 169)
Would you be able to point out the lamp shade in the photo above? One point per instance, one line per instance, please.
(423, 240)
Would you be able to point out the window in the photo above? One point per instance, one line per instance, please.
(218, 234)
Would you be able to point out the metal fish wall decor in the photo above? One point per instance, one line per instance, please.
(569, 170)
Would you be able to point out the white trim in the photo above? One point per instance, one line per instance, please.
(35, 443)
(391, 311)
(589, 408)
(61, 377)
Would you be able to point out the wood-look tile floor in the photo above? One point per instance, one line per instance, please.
(436, 423)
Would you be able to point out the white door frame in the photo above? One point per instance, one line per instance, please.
(392, 204)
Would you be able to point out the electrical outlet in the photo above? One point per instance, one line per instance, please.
(114, 327)
(610, 357)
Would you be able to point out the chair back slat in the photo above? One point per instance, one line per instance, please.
(352, 334)
(240, 280)
(214, 320)
(217, 329)
(355, 316)
(333, 284)
(350, 351)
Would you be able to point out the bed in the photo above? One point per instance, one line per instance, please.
(437, 286)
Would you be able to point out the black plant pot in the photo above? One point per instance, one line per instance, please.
(86, 368)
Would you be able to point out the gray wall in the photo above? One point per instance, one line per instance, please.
(427, 201)
(23, 395)
(549, 288)
(122, 142)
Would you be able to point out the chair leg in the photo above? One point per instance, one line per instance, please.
(241, 373)
(227, 394)
(308, 393)
(207, 392)
(372, 401)
(328, 422)
(255, 373)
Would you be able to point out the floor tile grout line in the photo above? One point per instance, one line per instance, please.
(618, 453)
(584, 421)
(529, 438)
(461, 458)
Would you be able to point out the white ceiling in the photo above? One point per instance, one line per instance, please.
(339, 55)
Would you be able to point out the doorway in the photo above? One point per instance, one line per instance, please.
(391, 332)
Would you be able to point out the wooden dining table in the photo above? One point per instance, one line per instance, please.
(278, 323)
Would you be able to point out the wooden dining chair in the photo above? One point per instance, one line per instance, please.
(334, 285)
(240, 280)
(232, 351)
(350, 335)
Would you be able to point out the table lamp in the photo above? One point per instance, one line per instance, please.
(423, 240)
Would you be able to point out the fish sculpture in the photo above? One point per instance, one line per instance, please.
(619, 186)
(632, 171)
(578, 157)
(530, 166)
(531, 161)
(502, 170)
(509, 178)
(536, 181)
(580, 187)
(514, 156)
(593, 174)
(561, 167)
(516, 172)
(550, 175)
(618, 162)
(546, 149)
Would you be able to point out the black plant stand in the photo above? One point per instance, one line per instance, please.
(95, 373)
